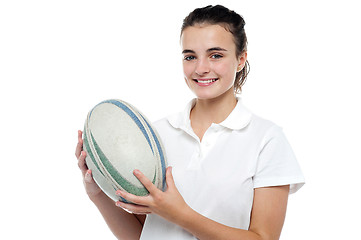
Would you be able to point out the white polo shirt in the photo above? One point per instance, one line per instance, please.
(217, 176)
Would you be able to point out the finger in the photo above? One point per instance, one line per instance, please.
(88, 178)
(132, 208)
(169, 178)
(80, 133)
(139, 200)
(145, 181)
(79, 146)
(81, 163)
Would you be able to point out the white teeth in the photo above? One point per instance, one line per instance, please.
(207, 81)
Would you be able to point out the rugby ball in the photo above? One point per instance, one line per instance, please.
(118, 139)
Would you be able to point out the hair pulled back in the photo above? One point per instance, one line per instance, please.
(232, 22)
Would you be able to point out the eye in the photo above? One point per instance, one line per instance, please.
(216, 56)
(189, 58)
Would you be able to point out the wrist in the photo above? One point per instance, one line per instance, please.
(98, 198)
(186, 217)
(199, 225)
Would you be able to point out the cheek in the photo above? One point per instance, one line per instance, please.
(186, 73)
(186, 80)
(187, 70)
(226, 70)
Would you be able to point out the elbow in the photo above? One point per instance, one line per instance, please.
(265, 236)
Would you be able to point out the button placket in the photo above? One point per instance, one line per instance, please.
(208, 141)
(205, 146)
(196, 158)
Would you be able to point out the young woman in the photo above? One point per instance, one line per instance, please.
(231, 171)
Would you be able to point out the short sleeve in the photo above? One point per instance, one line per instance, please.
(277, 164)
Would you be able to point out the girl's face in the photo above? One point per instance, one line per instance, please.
(210, 63)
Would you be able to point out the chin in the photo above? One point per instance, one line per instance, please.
(204, 95)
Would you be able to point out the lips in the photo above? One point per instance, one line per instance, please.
(205, 82)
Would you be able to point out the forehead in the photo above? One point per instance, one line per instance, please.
(201, 37)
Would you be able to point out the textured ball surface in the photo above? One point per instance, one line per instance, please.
(119, 139)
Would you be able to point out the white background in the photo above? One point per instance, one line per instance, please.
(59, 58)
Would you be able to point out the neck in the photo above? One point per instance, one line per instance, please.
(213, 110)
(208, 111)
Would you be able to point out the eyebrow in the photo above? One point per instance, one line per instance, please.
(216, 49)
(208, 50)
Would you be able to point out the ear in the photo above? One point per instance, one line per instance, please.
(241, 61)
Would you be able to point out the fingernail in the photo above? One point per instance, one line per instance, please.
(136, 171)
(87, 176)
(117, 204)
(118, 193)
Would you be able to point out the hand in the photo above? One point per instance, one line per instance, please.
(169, 204)
(92, 189)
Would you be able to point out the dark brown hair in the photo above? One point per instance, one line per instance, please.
(232, 22)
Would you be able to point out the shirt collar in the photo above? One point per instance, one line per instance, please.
(236, 120)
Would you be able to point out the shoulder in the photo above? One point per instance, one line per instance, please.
(176, 119)
(163, 126)
(160, 123)
(263, 127)
(245, 120)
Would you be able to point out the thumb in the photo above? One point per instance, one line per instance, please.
(169, 178)
(88, 178)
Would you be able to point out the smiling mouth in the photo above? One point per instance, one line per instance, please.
(205, 81)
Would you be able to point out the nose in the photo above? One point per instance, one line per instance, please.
(202, 67)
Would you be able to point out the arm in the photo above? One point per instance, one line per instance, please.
(268, 213)
(124, 225)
